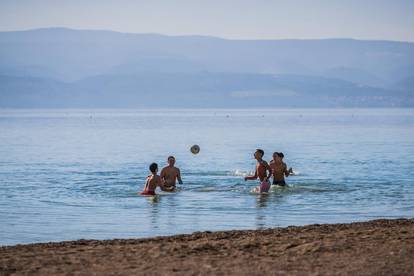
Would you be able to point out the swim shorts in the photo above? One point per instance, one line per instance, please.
(279, 182)
(264, 186)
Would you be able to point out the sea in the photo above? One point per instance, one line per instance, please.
(71, 174)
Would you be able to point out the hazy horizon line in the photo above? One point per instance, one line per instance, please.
(205, 36)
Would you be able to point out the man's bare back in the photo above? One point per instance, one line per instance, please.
(152, 182)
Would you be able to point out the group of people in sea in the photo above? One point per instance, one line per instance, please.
(264, 171)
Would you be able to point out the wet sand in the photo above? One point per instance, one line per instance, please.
(380, 247)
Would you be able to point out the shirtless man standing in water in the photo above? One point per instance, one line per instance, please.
(279, 169)
(170, 175)
(261, 172)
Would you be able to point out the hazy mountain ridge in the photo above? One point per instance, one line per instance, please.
(72, 68)
(195, 90)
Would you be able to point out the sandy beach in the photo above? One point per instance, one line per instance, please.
(380, 247)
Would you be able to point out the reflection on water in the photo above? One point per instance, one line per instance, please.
(64, 176)
(262, 200)
(153, 201)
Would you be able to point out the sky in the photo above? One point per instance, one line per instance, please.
(242, 19)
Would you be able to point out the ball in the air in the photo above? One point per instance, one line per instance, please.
(195, 149)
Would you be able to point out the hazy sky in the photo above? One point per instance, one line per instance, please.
(255, 19)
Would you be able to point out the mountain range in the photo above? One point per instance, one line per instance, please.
(68, 68)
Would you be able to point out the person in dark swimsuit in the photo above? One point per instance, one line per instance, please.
(279, 169)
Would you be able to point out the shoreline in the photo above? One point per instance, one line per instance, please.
(384, 246)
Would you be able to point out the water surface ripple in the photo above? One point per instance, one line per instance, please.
(71, 174)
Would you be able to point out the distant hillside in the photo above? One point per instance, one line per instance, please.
(72, 68)
(196, 90)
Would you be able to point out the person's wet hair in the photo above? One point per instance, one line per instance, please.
(153, 167)
(260, 151)
(281, 155)
(170, 157)
(275, 153)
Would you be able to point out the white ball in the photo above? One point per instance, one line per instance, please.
(195, 149)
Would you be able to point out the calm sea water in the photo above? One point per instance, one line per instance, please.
(71, 174)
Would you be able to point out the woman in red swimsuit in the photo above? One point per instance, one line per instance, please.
(152, 181)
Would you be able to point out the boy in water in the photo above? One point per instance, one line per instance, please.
(279, 169)
(169, 175)
(261, 172)
(152, 181)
